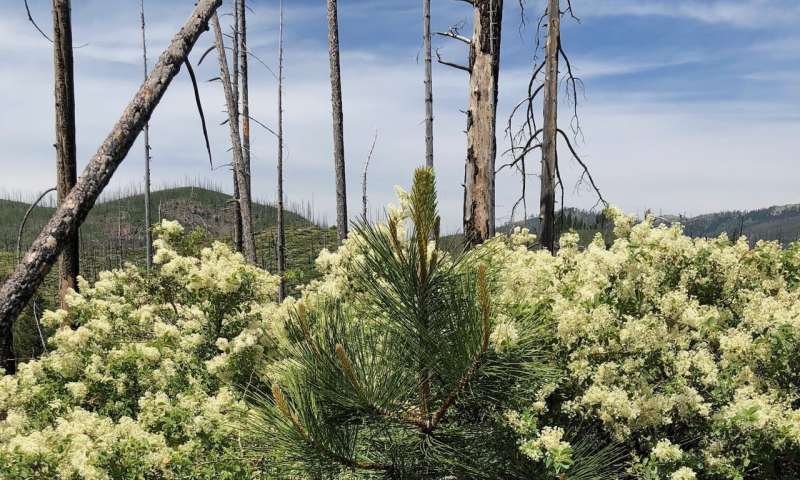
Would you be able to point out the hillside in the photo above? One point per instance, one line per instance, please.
(113, 233)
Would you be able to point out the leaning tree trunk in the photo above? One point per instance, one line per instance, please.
(338, 129)
(238, 161)
(547, 199)
(148, 222)
(237, 211)
(281, 229)
(484, 65)
(66, 166)
(29, 274)
(426, 46)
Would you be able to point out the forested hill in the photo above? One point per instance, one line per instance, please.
(780, 223)
(114, 230)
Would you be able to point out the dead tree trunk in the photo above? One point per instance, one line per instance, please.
(338, 128)
(547, 198)
(148, 222)
(237, 211)
(426, 46)
(29, 274)
(66, 167)
(238, 162)
(484, 67)
(245, 92)
(281, 229)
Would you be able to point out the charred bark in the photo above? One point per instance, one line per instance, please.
(245, 204)
(148, 221)
(484, 68)
(547, 198)
(338, 120)
(66, 166)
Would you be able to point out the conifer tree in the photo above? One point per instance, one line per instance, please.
(410, 377)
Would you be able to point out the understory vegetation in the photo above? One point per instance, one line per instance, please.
(658, 356)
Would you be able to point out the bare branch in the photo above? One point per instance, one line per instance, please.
(199, 109)
(586, 171)
(206, 52)
(25, 219)
(450, 64)
(30, 18)
(364, 178)
(452, 33)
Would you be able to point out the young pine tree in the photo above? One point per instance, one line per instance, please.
(405, 378)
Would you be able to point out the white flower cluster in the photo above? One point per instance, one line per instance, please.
(660, 332)
(125, 391)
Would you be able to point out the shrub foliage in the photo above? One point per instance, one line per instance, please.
(655, 357)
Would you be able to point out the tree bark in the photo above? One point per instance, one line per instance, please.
(338, 128)
(148, 221)
(484, 66)
(29, 274)
(281, 229)
(547, 199)
(237, 211)
(245, 204)
(66, 166)
(245, 91)
(426, 46)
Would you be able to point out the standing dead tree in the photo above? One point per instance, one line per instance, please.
(29, 274)
(281, 243)
(237, 211)
(529, 137)
(484, 70)
(148, 221)
(338, 120)
(426, 47)
(66, 163)
(241, 28)
(245, 204)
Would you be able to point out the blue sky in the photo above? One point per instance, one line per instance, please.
(689, 106)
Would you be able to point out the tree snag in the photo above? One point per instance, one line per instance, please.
(547, 197)
(281, 243)
(245, 204)
(241, 16)
(484, 68)
(237, 210)
(66, 164)
(338, 128)
(426, 47)
(29, 274)
(148, 222)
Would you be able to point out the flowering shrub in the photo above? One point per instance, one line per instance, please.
(684, 351)
(135, 385)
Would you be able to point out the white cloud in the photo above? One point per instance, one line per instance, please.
(739, 13)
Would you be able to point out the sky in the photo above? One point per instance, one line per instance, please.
(687, 106)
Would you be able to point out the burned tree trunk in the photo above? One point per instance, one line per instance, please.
(426, 47)
(29, 274)
(148, 222)
(241, 28)
(245, 204)
(237, 211)
(66, 166)
(547, 199)
(484, 67)
(338, 128)
(281, 232)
